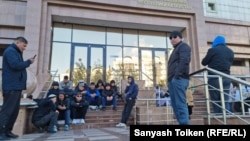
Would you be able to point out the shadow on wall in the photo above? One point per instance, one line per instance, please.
(31, 83)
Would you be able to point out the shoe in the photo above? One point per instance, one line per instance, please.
(11, 135)
(74, 121)
(3, 137)
(103, 109)
(121, 125)
(52, 130)
(114, 108)
(97, 108)
(82, 121)
(40, 130)
(66, 127)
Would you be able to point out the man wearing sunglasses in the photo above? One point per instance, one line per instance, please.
(178, 76)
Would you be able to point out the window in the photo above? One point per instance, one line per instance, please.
(211, 7)
(2, 48)
(238, 63)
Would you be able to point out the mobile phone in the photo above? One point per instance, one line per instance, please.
(34, 56)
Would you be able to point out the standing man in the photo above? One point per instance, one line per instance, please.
(220, 58)
(178, 77)
(14, 77)
(131, 93)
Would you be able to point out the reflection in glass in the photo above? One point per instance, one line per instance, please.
(152, 39)
(130, 37)
(130, 62)
(147, 67)
(60, 59)
(114, 36)
(160, 68)
(114, 63)
(96, 64)
(80, 65)
(88, 34)
(62, 32)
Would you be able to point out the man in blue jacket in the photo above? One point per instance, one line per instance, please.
(178, 77)
(14, 77)
(131, 93)
(219, 57)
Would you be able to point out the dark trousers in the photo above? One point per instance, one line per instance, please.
(127, 110)
(64, 115)
(79, 113)
(49, 120)
(215, 94)
(9, 110)
(96, 101)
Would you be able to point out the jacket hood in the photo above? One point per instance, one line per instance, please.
(218, 40)
(132, 78)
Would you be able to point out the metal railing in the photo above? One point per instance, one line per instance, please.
(53, 74)
(146, 112)
(219, 75)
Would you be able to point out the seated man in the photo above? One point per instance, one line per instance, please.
(54, 89)
(67, 86)
(109, 97)
(46, 114)
(63, 107)
(115, 88)
(81, 88)
(94, 96)
(79, 107)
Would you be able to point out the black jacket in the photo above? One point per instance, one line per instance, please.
(178, 63)
(109, 93)
(45, 106)
(65, 102)
(83, 103)
(219, 58)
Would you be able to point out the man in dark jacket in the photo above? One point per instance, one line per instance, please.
(54, 89)
(63, 107)
(79, 107)
(220, 58)
(108, 97)
(46, 114)
(131, 93)
(14, 77)
(178, 77)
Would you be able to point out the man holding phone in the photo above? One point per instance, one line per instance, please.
(14, 77)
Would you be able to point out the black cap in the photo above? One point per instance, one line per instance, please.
(176, 33)
(55, 83)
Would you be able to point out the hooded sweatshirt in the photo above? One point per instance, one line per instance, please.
(131, 91)
(219, 57)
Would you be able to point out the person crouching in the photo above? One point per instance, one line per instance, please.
(45, 116)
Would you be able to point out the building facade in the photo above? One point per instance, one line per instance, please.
(110, 39)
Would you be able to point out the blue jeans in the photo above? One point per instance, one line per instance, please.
(215, 94)
(64, 115)
(106, 103)
(177, 89)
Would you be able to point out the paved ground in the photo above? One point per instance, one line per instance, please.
(102, 134)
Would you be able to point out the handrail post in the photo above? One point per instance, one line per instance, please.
(147, 113)
(242, 100)
(207, 97)
(222, 100)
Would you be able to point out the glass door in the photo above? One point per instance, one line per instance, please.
(87, 63)
(153, 67)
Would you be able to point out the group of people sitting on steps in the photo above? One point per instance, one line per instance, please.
(63, 102)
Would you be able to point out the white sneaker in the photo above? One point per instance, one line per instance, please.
(82, 121)
(121, 125)
(74, 121)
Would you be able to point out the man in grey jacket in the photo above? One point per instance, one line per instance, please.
(178, 76)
